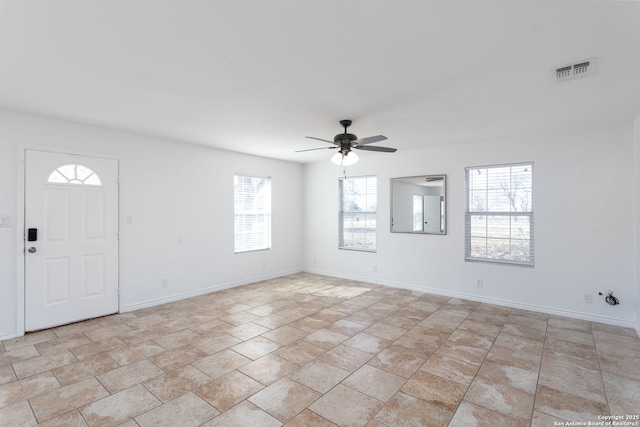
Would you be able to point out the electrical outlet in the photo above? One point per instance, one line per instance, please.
(164, 282)
(480, 283)
(587, 297)
(264, 265)
(375, 268)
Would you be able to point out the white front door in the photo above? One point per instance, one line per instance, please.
(71, 238)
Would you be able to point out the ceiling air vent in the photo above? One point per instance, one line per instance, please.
(578, 70)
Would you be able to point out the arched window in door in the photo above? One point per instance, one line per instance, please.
(74, 174)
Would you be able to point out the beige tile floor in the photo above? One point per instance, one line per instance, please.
(308, 350)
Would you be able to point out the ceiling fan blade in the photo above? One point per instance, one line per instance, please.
(313, 149)
(375, 148)
(369, 139)
(320, 139)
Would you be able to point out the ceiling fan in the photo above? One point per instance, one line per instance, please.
(346, 141)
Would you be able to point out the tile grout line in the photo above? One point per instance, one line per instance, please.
(535, 396)
(604, 386)
(478, 370)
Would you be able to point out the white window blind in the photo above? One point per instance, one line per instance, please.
(499, 214)
(357, 216)
(252, 213)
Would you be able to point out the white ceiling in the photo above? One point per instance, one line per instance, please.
(258, 76)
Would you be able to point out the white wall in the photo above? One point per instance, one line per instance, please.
(584, 211)
(180, 199)
(637, 219)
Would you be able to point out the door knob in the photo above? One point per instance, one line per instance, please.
(31, 250)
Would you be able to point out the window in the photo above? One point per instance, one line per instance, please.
(499, 214)
(252, 213)
(74, 174)
(357, 216)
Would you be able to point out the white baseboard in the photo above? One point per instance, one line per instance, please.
(505, 303)
(8, 337)
(494, 301)
(203, 291)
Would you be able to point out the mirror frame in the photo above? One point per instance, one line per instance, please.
(444, 200)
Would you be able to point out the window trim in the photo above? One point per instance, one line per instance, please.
(530, 215)
(268, 214)
(341, 213)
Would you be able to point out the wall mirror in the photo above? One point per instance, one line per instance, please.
(418, 204)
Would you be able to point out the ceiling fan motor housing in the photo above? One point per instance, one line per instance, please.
(344, 137)
(343, 140)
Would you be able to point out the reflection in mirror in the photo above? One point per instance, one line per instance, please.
(418, 204)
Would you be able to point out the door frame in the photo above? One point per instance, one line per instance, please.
(20, 221)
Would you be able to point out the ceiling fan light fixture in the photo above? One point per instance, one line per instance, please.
(348, 159)
(337, 158)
